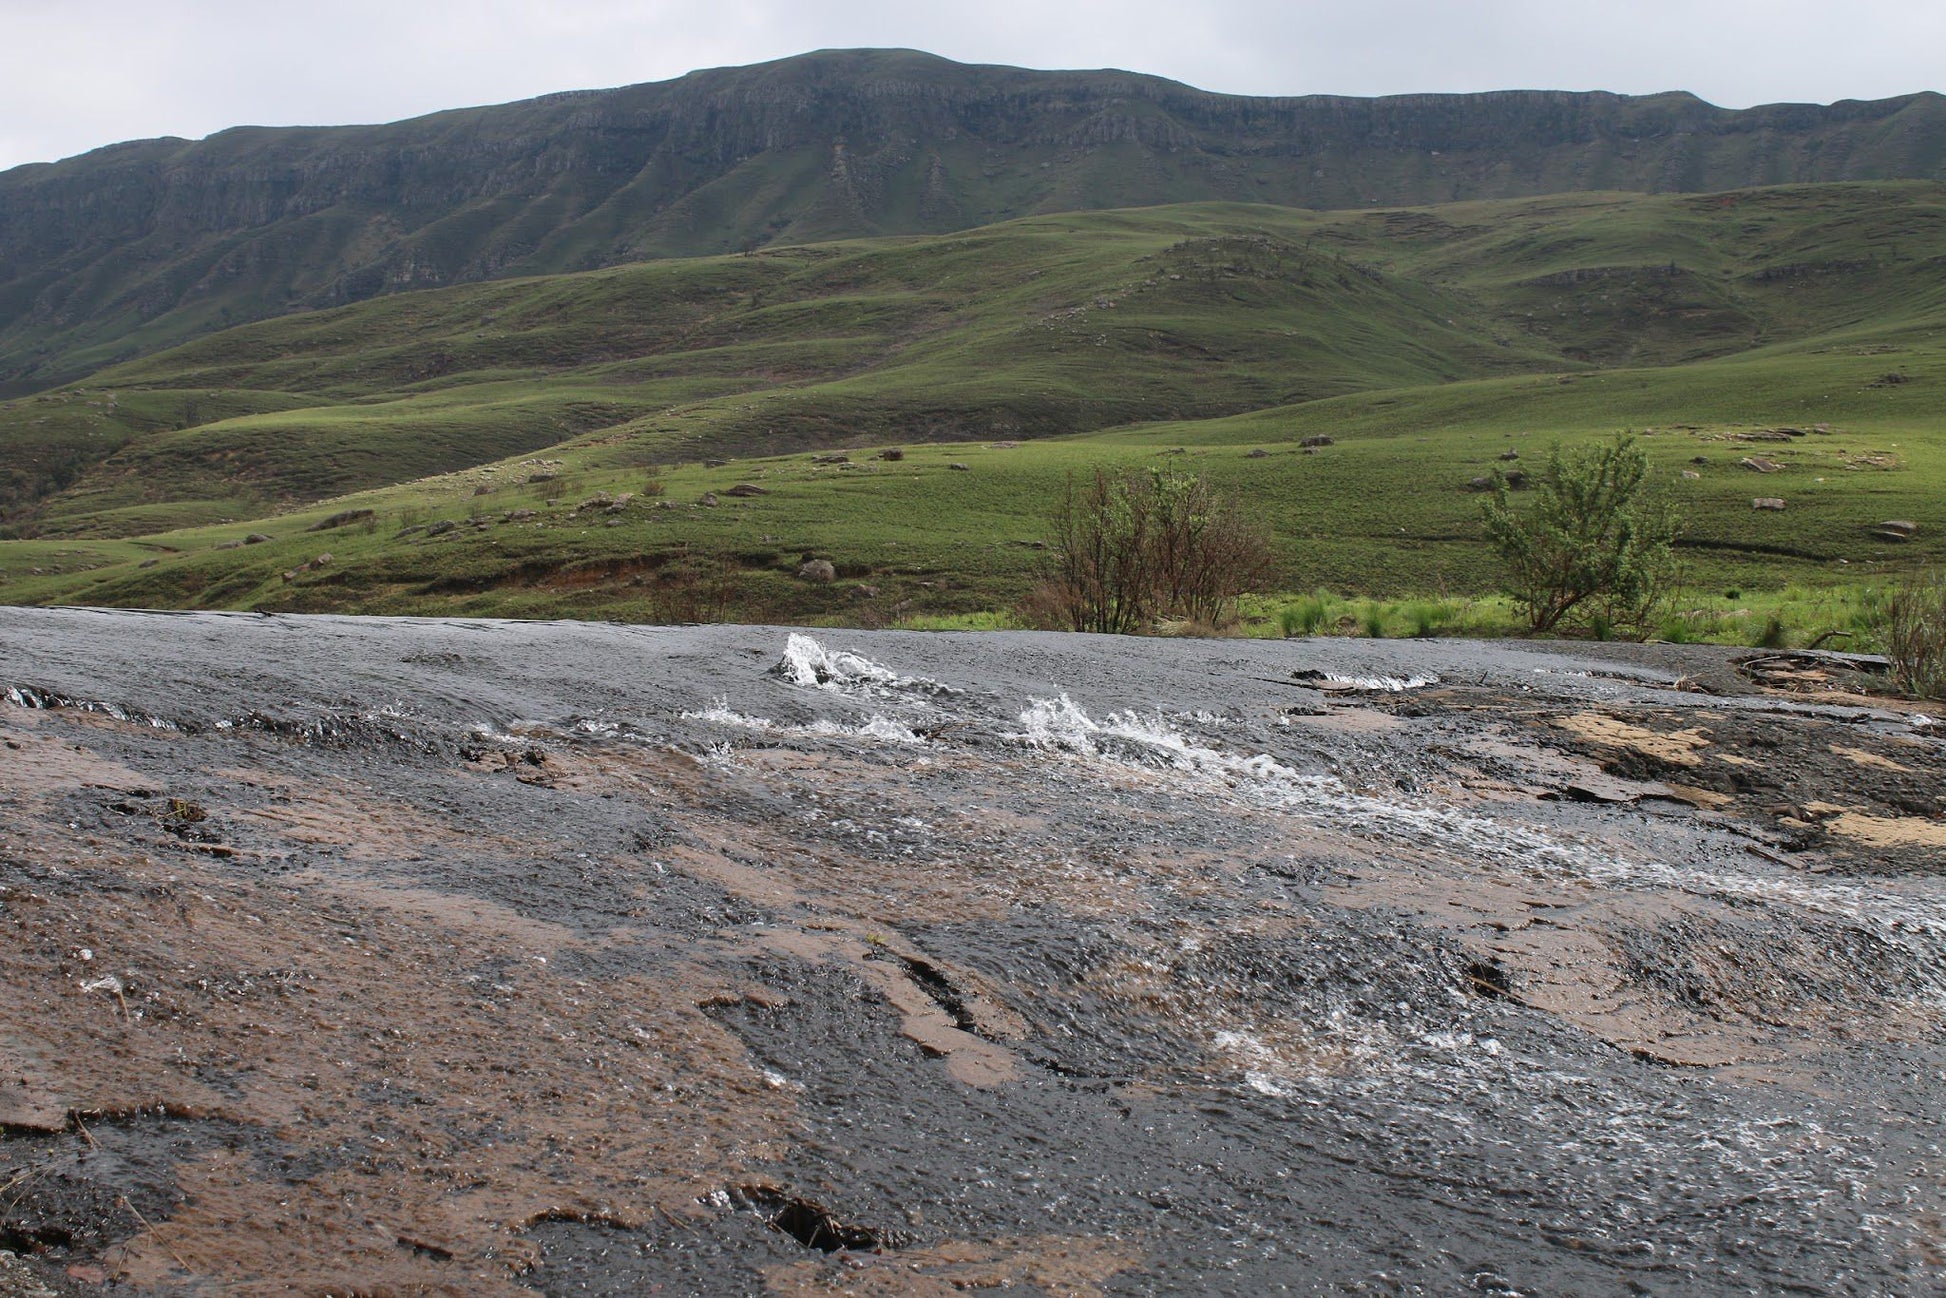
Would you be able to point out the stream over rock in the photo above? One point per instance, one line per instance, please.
(421, 955)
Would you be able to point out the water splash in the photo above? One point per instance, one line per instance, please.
(810, 664)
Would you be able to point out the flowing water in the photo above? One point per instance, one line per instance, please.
(725, 959)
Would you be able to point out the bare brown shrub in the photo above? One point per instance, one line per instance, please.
(1915, 635)
(1131, 551)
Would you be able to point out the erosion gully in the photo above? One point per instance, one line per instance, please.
(395, 956)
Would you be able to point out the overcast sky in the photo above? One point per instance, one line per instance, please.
(76, 74)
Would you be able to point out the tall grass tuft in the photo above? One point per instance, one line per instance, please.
(1303, 617)
(1427, 617)
(1915, 635)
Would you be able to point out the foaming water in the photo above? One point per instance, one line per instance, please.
(1379, 684)
(26, 696)
(808, 663)
(875, 726)
(1914, 918)
(384, 724)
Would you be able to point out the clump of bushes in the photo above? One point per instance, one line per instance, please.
(1134, 551)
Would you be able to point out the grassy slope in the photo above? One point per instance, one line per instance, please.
(1041, 327)
(142, 245)
(1424, 342)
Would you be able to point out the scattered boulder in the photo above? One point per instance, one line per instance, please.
(709, 499)
(1758, 464)
(957, 467)
(1895, 529)
(1257, 453)
(714, 464)
(256, 538)
(747, 489)
(440, 528)
(1482, 483)
(148, 563)
(341, 519)
(1699, 459)
(1690, 475)
(1317, 440)
(1510, 455)
(835, 457)
(1516, 480)
(1003, 446)
(229, 545)
(518, 515)
(892, 453)
(1771, 503)
(292, 574)
(820, 571)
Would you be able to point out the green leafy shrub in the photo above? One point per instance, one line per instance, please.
(1591, 544)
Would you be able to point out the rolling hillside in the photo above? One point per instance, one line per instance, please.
(131, 248)
(573, 439)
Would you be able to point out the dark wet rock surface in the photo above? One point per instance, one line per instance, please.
(428, 956)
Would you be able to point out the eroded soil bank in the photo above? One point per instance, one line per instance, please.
(398, 956)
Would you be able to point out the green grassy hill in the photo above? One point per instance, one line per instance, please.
(129, 249)
(472, 421)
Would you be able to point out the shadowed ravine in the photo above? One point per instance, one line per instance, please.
(408, 956)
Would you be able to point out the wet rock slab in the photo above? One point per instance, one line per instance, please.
(475, 957)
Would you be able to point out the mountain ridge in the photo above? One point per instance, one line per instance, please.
(127, 249)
